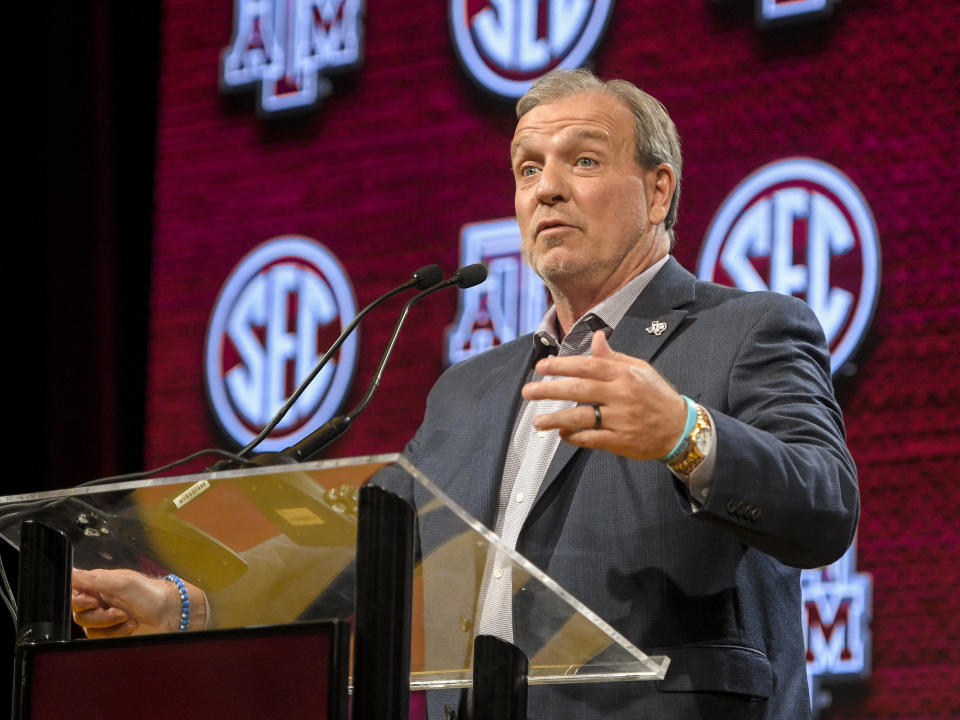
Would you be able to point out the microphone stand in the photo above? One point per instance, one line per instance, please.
(335, 427)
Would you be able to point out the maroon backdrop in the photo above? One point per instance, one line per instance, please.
(407, 150)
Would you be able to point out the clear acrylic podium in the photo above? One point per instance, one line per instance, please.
(276, 545)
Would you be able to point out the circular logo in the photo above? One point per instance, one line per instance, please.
(279, 310)
(801, 227)
(507, 44)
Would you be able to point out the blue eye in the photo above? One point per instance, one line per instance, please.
(585, 162)
(528, 171)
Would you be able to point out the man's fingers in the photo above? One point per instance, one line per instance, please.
(80, 601)
(99, 588)
(600, 348)
(604, 364)
(82, 577)
(576, 389)
(582, 366)
(587, 438)
(100, 617)
(576, 418)
(127, 628)
(93, 582)
(111, 585)
(100, 581)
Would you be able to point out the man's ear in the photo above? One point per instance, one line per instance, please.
(661, 184)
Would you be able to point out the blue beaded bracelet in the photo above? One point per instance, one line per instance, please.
(684, 440)
(184, 601)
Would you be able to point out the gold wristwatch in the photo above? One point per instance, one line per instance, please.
(700, 440)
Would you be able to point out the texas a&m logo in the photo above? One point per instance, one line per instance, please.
(778, 13)
(286, 46)
(277, 312)
(774, 13)
(507, 44)
(800, 227)
(836, 624)
(509, 303)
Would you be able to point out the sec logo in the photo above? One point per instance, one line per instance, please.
(507, 44)
(800, 227)
(279, 310)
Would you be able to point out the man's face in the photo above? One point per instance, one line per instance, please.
(581, 198)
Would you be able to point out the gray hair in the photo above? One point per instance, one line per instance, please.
(656, 136)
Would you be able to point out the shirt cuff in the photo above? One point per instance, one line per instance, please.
(208, 618)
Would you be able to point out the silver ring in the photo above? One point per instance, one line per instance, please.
(597, 419)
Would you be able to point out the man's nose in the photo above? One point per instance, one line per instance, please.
(551, 185)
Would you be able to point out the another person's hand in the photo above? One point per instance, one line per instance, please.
(642, 415)
(112, 603)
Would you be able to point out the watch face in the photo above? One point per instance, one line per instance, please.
(702, 443)
(703, 439)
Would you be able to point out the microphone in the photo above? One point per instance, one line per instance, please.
(423, 278)
(426, 277)
(316, 441)
(468, 276)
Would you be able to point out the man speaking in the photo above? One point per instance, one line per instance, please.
(668, 450)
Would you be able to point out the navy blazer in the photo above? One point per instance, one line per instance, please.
(717, 589)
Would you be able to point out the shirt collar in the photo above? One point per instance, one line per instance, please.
(606, 314)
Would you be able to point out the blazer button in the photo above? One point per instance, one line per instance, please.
(732, 506)
(756, 513)
(741, 507)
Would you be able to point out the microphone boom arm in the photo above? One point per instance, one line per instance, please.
(424, 275)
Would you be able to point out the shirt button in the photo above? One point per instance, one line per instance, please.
(541, 433)
(498, 573)
(520, 497)
(544, 341)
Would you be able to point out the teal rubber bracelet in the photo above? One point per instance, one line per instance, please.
(684, 440)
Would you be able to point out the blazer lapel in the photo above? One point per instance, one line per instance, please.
(648, 324)
(500, 402)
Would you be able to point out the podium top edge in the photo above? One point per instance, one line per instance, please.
(180, 479)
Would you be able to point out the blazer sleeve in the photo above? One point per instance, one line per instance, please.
(783, 479)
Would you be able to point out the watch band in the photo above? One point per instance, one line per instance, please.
(695, 450)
